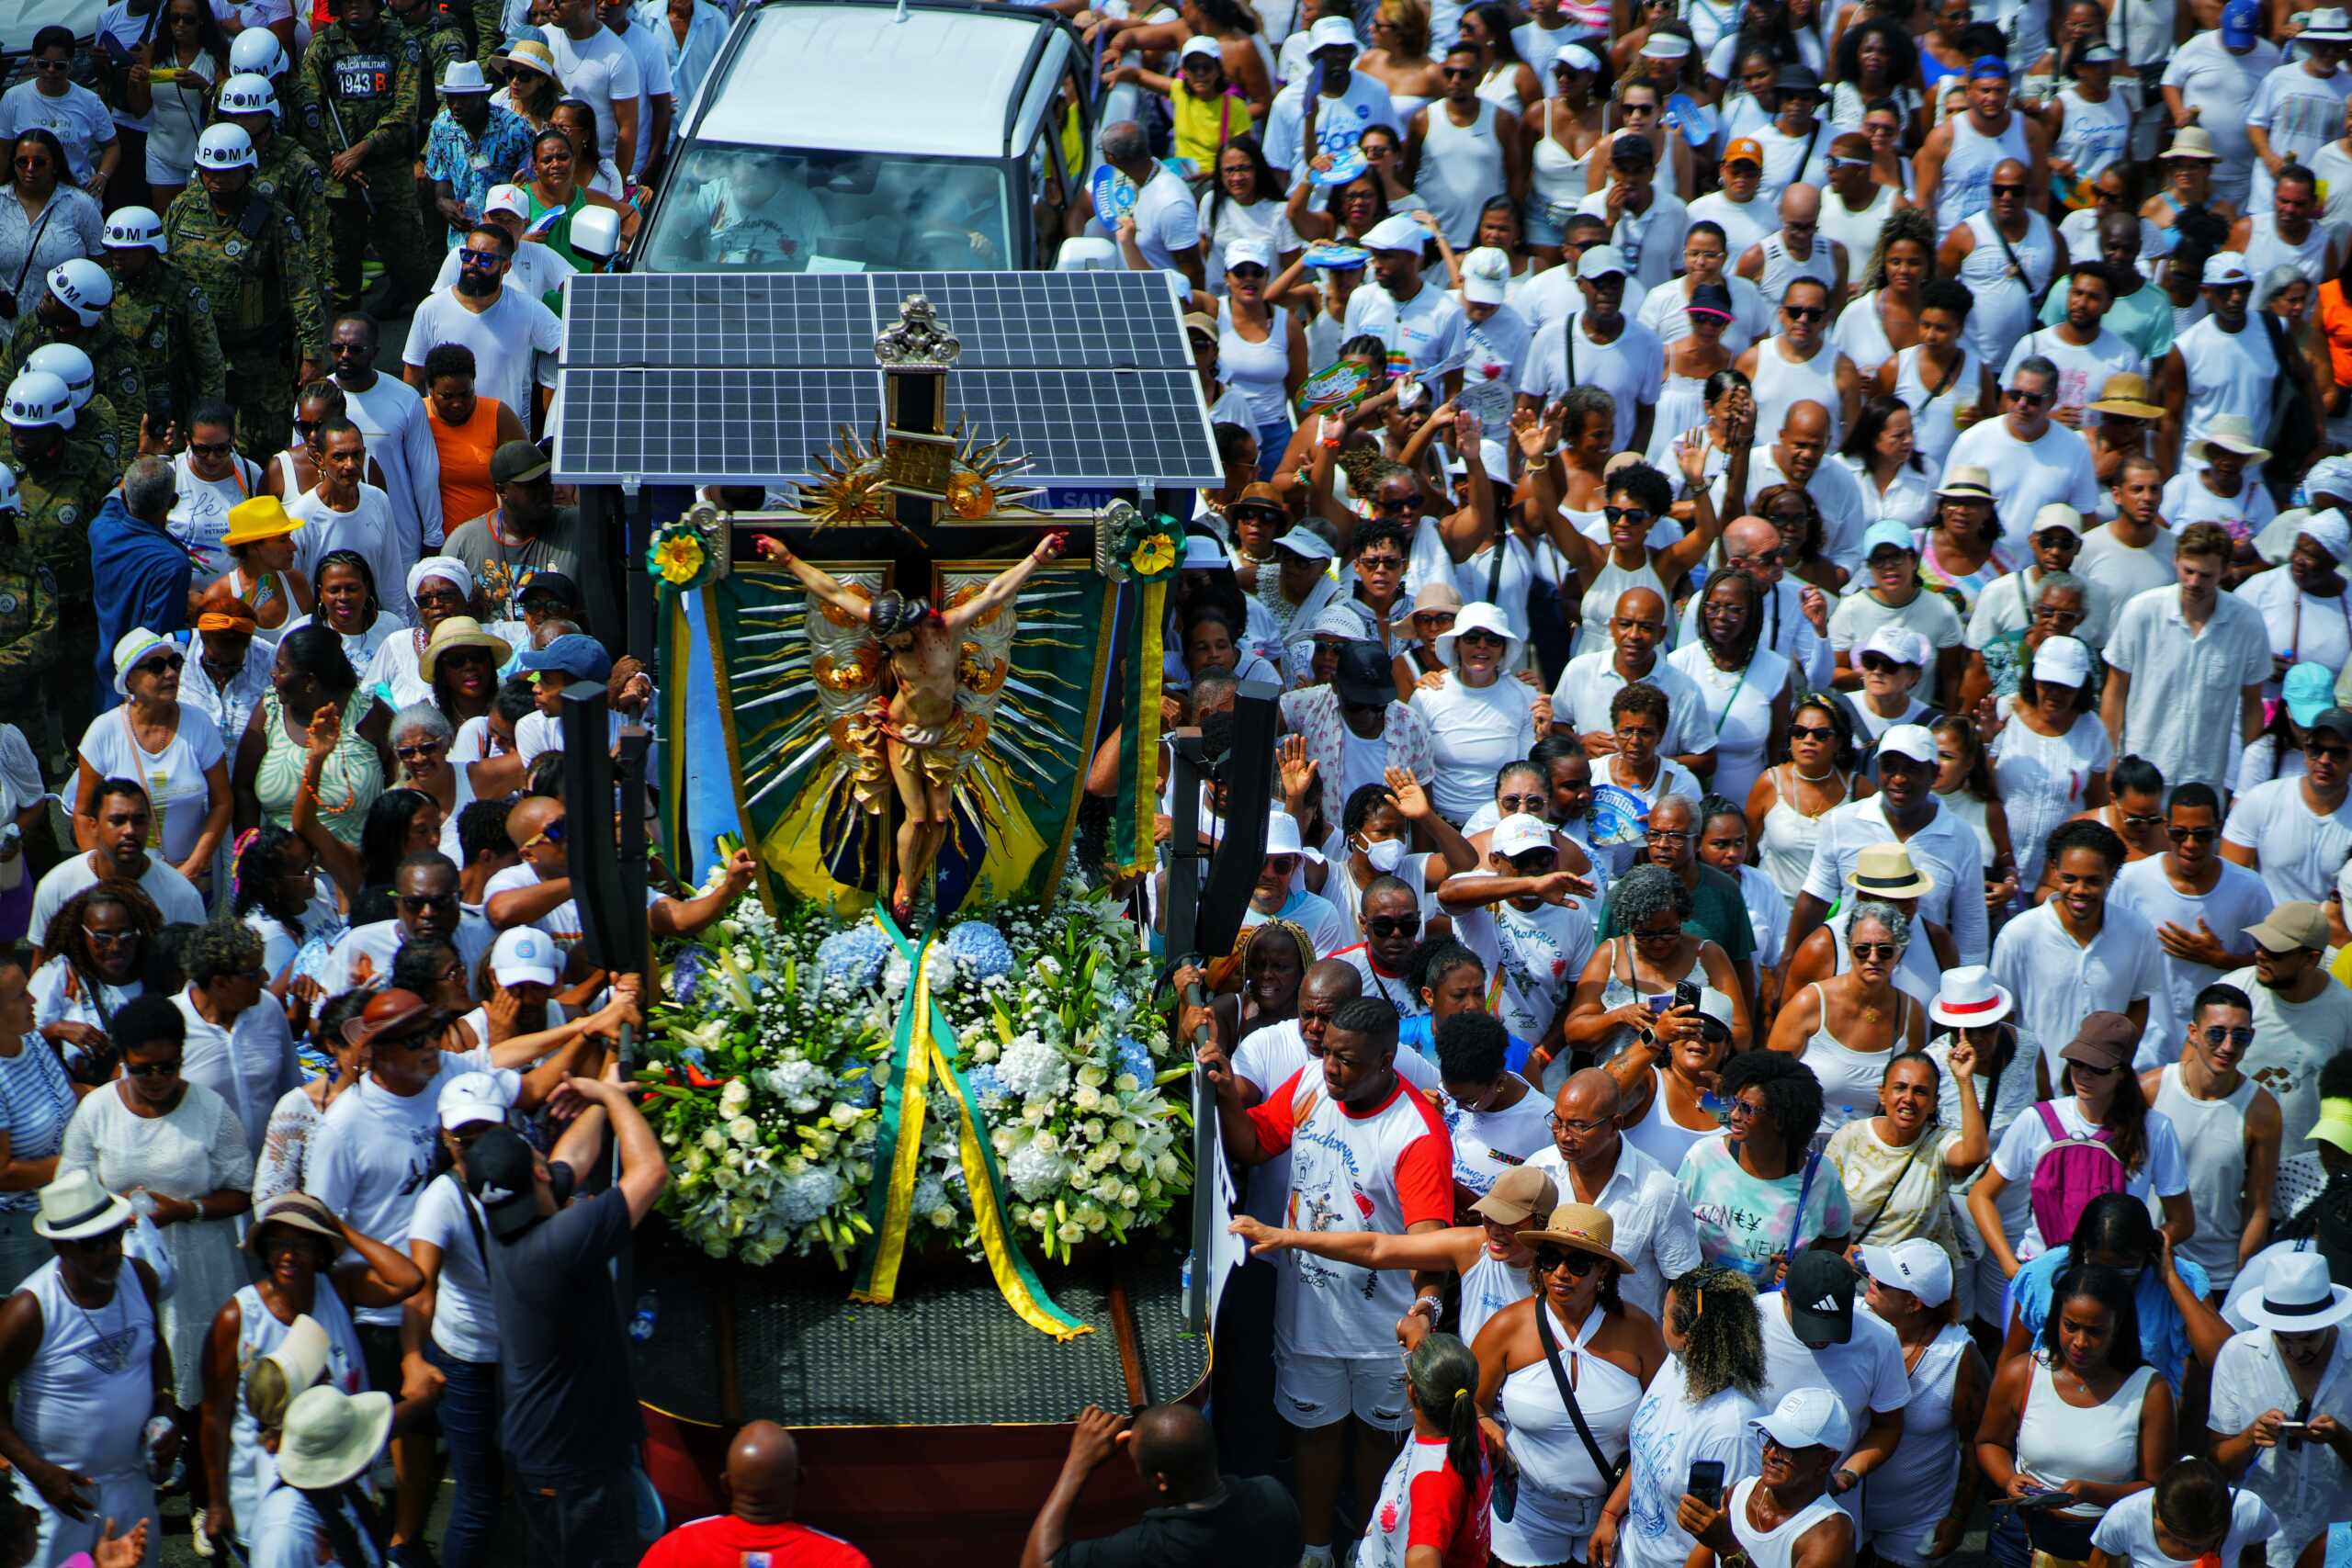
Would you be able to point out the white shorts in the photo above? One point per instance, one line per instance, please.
(1322, 1391)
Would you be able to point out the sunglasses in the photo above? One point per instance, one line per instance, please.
(1634, 514)
(1380, 563)
(2214, 1034)
(444, 597)
(1804, 313)
(1454, 73)
(418, 903)
(2333, 753)
(1876, 950)
(419, 751)
(480, 259)
(52, 64)
(2029, 400)
(1402, 503)
(1250, 270)
(170, 1069)
(33, 165)
(1762, 557)
(163, 664)
(1813, 732)
(1550, 1260)
(2190, 835)
(1479, 639)
(1394, 925)
(1999, 190)
(1671, 933)
(2148, 820)
(1880, 664)
(211, 448)
(1536, 863)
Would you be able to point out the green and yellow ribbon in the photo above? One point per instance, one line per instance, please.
(922, 1048)
(1132, 846)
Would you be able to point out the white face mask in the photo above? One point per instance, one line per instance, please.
(1385, 854)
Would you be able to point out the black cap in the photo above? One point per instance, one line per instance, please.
(556, 583)
(517, 460)
(1365, 677)
(501, 1178)
(1820, 1288)
(1797, 79)
(2336, 721)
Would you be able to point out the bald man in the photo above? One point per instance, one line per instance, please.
(1593, 1164)
(539, 891)
(1637, 631)
(1796, 613)
(2006, 254)
(761, 1482)
(1797, 453)
(1199, 1517)
(1798, 248)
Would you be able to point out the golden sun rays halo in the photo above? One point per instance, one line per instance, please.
(850, 485)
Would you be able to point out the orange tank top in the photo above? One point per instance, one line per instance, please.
(464, 450)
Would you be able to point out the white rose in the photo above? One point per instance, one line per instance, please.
(1092, 1130)
(725, 1179)
(1168, 1166)
(1125, 1083)
(944, 1217)
(1002, 1140)
(1041, 1217)
(1131, 1161)
(713, 1139)
(1093, 1077)
(1071, 1231)
(736, 1095)
(743, 1130)
(696, 1161)
(1129, 1198)
(1086, 1098)
(844, 1114)
(732, 1159)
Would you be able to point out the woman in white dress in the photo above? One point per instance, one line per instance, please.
(1918, 1504)
(1504, 79)
(175, 1150)
(1478, 716)
(170, 748)
(1689, 400)
(1244, 202)
(1940, 378)
(2049, 750)
(1883, 319)
(347, 604)
(1743, 685)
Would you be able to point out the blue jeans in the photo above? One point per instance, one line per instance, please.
(468, 1411)
(2008, 1546)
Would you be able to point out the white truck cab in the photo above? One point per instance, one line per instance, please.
(868, 135)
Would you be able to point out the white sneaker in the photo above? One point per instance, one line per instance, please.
(197, 1538)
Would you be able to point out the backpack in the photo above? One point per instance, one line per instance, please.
(2068, 1174)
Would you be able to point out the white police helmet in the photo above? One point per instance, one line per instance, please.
(248, 94)
(83, 287)
(129, 227)
(9, 503)
(69, 365)
(256, 51)
(37, 398)
(224, 146)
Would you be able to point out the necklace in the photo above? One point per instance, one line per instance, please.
(1822, 778)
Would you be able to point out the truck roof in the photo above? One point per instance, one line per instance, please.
(947, 80)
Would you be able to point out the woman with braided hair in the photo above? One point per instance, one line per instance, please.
(96, 946)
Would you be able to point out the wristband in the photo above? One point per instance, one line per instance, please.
(1435, 1305)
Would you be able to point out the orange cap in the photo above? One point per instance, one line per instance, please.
(1745, 149)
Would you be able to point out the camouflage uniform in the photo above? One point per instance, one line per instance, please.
(489, 32)
(59, 500)
(169, 324)
(28, 635)
(120, 395)
(440, 41)
(368, 92)
(292, 178)
(254, 270)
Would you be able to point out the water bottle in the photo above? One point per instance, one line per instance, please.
(642, 1321)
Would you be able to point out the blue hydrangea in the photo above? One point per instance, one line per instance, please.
(861, 1089)
(983, 948)
(986, 1085)
(1135, 1058)
(686, 973)
(855, 956)
(805, 1198)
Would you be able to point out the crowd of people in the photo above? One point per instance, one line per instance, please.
(1796, 1003)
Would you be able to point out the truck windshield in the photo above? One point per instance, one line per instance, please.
(774, 209)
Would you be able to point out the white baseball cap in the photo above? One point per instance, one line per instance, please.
(1899, 643)
(1395, 232)
(1200, 46)
(523, 954)
(2064, 659)
(1306, 542)
(1912, 740)
(478, 1097)
(2057, 515)
(1518, 833)
(1485, 276)
(2223, 268)
(1808, 1419)
(506, 198)
(1600, 260)
(1247, 250)
(1917, 1265)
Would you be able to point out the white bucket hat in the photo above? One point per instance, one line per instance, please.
(331, 1435)
(1480, 615)
(1969, 998)
(2231, 433)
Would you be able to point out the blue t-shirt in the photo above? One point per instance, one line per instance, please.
(2164, 1337)
(1421, 1034)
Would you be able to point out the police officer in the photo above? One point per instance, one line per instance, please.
(282, 170)
(165, 318)
(255, 52)
(73, 310)
(28, 614)
(363, 82)
(246, 254)
(95, 421)
(440, 41)
(61, 484)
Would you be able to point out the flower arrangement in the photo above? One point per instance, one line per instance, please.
(1143, 547)
(771, 1045)
(682, 557)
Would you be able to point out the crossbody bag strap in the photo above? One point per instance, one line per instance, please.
(1601, 1462)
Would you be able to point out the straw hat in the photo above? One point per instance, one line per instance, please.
(331, 1435)
(1884, 871)
(1579, 1228)
(461, 631)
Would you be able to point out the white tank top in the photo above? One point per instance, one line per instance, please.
(1858, 232)
(2059, 1442)
(1609, 585)
(1781, 382)
(1903, 1498)
(1658, 1135)
(2003, 309)
(1849, 1078)
(1256, 370)
(1488, 1286)
(1461, 165)
(2212, 1139)
(1785, 850)
(1918, 974)
(1965, 186)
(82, 1400)
(1559, 175)
(1933, 406)
(1780, 268)
(253, 1471)
(2094, 135)
(2266, 249)
(1555, 1473)
(1774, 1548)
(1501, 89)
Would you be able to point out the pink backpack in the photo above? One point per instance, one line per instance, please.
(2067, 1174)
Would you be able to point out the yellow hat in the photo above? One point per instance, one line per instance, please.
(2334, 1124)
(257, 518)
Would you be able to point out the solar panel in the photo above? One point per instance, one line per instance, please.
(763, 426)
(1107, 320)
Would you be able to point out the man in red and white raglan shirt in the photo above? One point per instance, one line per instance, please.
(762, 1482)
(1368, 1153)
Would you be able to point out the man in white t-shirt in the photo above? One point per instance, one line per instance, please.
(2195, 645)
(399, 438)
(1518, 913)
(2086, 352)
(345, 513)
(2301, 1017)
(424, 904)
(514, 337)
(1592, 680)
(1795, 457)
(656, 99)
(1740, 208)
(1890, 594)
(2225, 364)
(2210, 81)
(2298, 831)
(1645, 225)
(539, 891)
(123, 817)
(235, 1042)
(1599, 346)
(1348, 103)
(2033, 459)
(1167, 222)
(1496, 1118)
(1418, 322)
(598, 68)
(1814, 1339)
(2131, 551)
